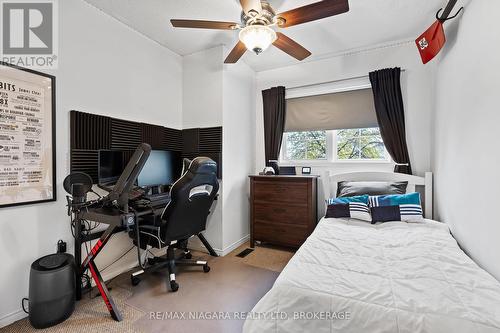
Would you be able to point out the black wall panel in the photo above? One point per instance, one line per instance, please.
(210, 140)
(153, 134)
(203, 142)
(125, 134)
(82, 124)
(91, 133)
(191, 140)
(85, 161)
(172, 139)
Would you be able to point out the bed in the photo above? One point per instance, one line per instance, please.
(352, 276)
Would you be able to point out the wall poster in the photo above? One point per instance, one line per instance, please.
(27, 136)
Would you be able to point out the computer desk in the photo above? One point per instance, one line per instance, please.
(117, 221)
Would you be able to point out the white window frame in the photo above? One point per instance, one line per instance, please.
(387, 158)
(331, 154)
(331, 135)
(328, 158)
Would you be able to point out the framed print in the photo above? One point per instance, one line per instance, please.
(27, 136)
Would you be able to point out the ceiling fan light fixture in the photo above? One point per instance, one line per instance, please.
(257, 38)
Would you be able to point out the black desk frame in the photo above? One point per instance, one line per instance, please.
(114, 220)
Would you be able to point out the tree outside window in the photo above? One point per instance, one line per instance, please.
(305, 145)
(362, 144)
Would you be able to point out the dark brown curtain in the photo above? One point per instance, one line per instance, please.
(386, 88)
(274, 121)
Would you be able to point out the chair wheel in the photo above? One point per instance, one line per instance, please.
(206, 268)
(174, 286)
(188, 255)
(135, 280)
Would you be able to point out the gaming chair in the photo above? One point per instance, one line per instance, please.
(185, 216)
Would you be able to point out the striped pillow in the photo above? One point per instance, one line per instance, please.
(351, 207)
(395, 207)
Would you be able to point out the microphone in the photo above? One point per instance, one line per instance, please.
(79, 193)
(77, 185)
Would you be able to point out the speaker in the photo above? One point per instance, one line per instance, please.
(51, 290)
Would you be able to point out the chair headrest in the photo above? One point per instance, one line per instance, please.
(203, 165)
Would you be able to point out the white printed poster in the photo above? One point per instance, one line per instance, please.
(27, 137)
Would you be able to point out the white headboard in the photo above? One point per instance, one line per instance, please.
(330, 184)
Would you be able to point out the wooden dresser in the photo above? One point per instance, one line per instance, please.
(283, 209)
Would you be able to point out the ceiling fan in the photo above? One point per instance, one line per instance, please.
(258, 17)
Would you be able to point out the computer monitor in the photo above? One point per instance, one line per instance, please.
(111, 165)
(161, 168)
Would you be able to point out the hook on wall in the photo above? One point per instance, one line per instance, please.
(447, 11)
(443, 19)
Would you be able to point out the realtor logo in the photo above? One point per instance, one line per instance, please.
(29, 32)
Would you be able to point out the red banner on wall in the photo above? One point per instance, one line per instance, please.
(431, 42)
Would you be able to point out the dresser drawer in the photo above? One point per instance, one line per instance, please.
(272, 191)
(281, 213)
(280, 234)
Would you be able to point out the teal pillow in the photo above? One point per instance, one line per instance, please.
(346, 200)
(396, 207)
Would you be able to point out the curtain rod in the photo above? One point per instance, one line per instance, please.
(333, 81)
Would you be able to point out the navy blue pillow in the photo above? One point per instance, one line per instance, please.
(395, 207)
(350, 207)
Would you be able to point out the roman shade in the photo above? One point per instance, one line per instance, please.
(342, 110)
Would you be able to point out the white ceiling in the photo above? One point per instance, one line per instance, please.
(368, 23)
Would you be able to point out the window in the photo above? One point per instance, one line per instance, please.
(310, 145)
(362, 144)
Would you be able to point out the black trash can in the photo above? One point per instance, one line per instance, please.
(51, 290)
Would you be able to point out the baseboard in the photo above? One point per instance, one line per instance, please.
(235, 245)
(12, 318)
(124, 266)
(117, 271)
(195, 244)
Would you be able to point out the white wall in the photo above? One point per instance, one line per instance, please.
(104, 68)
(202, 88)
(215, 94)
(466, 157)
(238, 141)
(202, 97)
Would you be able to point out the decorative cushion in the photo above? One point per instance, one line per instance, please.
(406, 207)
(351, 207)
(349, 189)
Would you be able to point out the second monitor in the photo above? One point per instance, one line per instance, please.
(162, 168)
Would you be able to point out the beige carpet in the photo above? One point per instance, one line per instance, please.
(91, 315)
(233, 285)
(269, 257)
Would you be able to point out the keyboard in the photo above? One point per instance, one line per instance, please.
(133, 194)
(156, 197)
(158, 200)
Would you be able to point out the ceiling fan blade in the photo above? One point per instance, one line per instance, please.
(291, 47)
(313, 12)
(200, 24)
(251, 5)
(236, 53)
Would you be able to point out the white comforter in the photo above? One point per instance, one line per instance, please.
(392, 277)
